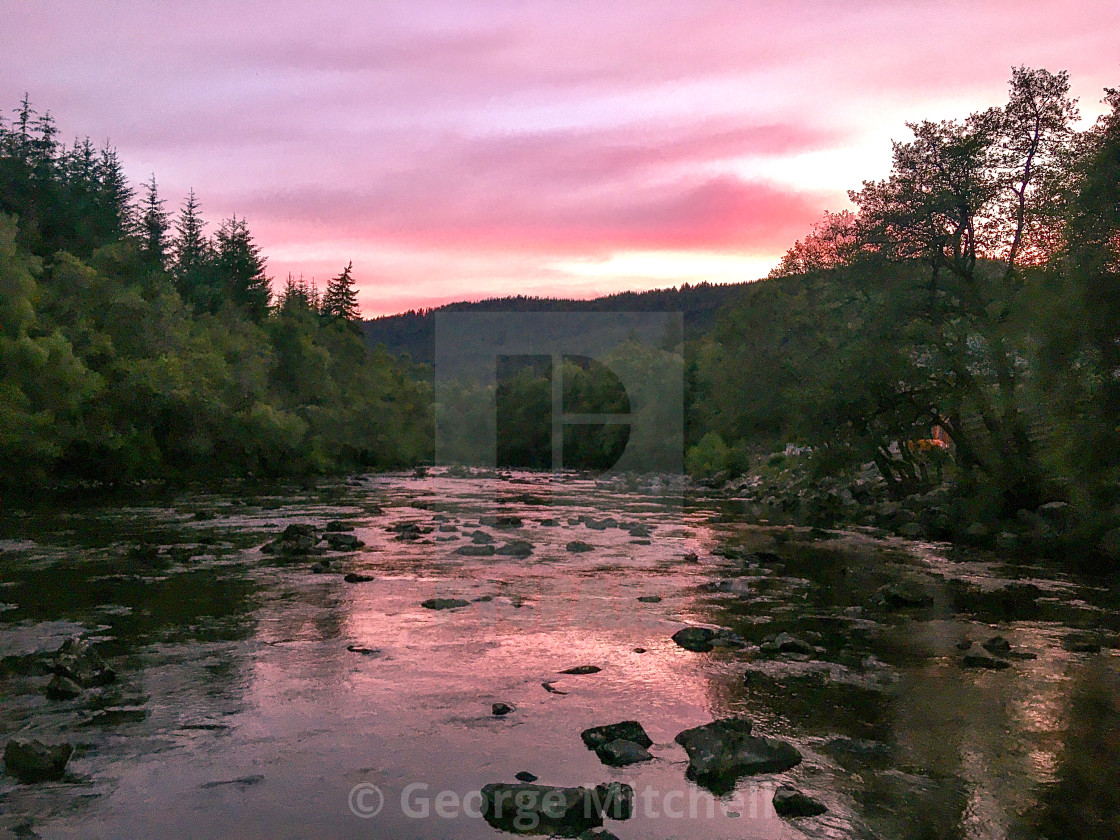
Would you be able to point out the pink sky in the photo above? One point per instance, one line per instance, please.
(473, 149)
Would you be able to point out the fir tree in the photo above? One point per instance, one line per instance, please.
(154, 225)
(240, 268)
(341, 299)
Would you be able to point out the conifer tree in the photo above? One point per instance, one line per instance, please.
(240, 268)
(154, 225)
(341, 299)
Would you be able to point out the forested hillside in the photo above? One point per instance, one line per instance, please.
(413, 332)
(134, 345)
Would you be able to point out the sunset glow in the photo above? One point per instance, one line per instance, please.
(460, 151)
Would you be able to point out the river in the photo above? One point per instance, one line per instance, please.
(263, 696)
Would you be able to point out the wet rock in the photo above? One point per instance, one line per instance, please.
(616, 799)
(766, 558)
(640, 650)
(500, 710)
(580, 670)
(335, 526)
(790, 802)
(296, 539)
(527, 808)
(516, 548)
(33, 761)
(692, 557)
(476, 550)
(904, 594)
(364, 651)
(502, 523)
(620, 753)
(62, 688)
(448, 529)
(1082, 642)
(857, 749)
(117, 715)
(444, 603)
(787, 643)
(720, 752)
(78, 661)
(551, 689)
(650, 599)
(982, 659)
(481, 538)
(997, 645)
(640, 531)
(577, 546)
(550, 523)
(627, 730)
(354, 577)
(343, 542)
(596, 834)
(525, 776)
(601, 524)
(703, 639)
(698, 639)
(240, 782)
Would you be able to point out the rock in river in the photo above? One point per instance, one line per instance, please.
(78, 661)
(500, 709)
(697, 639)
(444, 603)
(343, 541)
(62, 688)
(619, 753)
(627, 730)
(1082, 642)
(982, 659)
(516, 548)
(34, 761)
(578, 546)
(476, 550)
(790, 802)
(580, 670)
(527, 808)
(720, 752)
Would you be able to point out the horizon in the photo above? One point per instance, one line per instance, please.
(482, 151)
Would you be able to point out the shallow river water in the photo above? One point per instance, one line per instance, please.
(262, 696)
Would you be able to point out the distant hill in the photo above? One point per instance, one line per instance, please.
(414, 332)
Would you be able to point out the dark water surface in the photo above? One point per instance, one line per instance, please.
(241, 710)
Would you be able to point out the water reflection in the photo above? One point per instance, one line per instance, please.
(271, 687)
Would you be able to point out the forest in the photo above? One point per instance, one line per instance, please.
(957, 331)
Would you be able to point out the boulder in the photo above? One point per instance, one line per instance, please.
(33, 761)
(516, 548)
(525, 776)
(444, 603)
(580, 670)
(627, 730)
(78, 661)
(787, 643)
(476, 550)
(62, 688)
(354, 577)
(343, 541)
(502, 523)
(720, 752)
(698, 639)
(619, 753)
(527, 808)
(501, 709)
(982, 659)
(1082, 642)
(997, 645)
(335, 526)
(904, 594)
(650, 599)
(790, 802)
(577, 546)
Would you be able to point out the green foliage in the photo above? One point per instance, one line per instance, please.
(125, 356)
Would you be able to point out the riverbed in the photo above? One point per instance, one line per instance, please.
(262, 695)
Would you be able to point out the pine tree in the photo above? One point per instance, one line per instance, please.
(114, 196)
(240, 268)
(154, 225)
(341, 299)
(191, 261)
